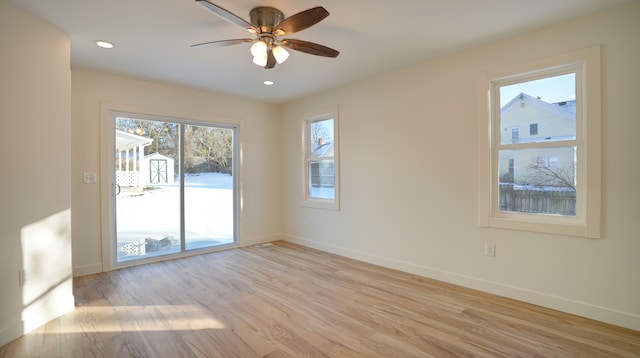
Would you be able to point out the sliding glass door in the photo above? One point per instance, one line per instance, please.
(208, 186)
(174, 187)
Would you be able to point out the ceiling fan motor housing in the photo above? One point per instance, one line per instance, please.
(265, 18)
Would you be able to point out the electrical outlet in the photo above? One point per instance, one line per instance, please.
(23, 276)
(490, 249)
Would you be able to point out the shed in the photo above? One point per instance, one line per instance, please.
(156, 168)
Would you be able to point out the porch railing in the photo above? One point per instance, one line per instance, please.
(128, 178)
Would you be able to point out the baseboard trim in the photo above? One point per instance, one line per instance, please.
(260, 239)
(583, 309)
(24, 326)
(12, 332)
(87, 270)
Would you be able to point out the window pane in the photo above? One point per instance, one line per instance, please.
(538, 180)
(152, 204)
(546, 106)
(148, 203)
(321, 179)
(321, 135)
(208, 186)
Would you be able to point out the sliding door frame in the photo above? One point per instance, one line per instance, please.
(108, 112)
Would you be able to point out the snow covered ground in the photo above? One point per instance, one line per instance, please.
(148, 222)
(321, 192)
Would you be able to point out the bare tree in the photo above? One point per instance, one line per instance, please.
(320, 133)
(208, 145)
(164, 134)
(541, 173)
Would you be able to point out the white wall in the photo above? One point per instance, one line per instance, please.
(409, 172)
(410, 178)
(35, 155)
(260, 140)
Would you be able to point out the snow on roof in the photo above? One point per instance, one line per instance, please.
(156, 155)
(569, 106)
(126, 141)
(561, 108)
(323, 150)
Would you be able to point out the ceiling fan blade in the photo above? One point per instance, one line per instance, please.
(309, 47)
(223, 43)
(228, 15)
(271, 60)
(301, 21)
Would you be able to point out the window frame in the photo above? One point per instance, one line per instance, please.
(586, 223)
(307, 200)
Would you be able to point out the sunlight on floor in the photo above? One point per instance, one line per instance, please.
(141, 319)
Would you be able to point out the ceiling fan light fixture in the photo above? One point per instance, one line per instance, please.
(280, 54)
(260, 60)
(259, 49)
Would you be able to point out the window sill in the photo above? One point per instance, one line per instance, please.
(325, 204)
(543, 224)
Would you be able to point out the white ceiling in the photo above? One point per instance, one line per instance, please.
(152, 38)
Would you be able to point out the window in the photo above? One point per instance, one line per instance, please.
(515, 135)
(321, 183)
(548, 180)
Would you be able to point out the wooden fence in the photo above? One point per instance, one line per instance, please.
(524, 199)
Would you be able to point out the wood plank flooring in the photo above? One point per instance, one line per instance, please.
(286, 300)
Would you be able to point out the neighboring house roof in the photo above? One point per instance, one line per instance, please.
(126, 141)
(557, 120)
(569, 106)
(563, 110)
(323, 150)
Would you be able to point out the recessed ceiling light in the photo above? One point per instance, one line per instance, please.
(268, 83)
(104, 44)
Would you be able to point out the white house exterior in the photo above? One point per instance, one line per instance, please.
(321, 171)
(129, 150)
(527, 119)
(133, 169)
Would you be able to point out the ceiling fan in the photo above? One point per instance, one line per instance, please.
(269, 26)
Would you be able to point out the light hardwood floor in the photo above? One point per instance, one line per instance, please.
(286, 300)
